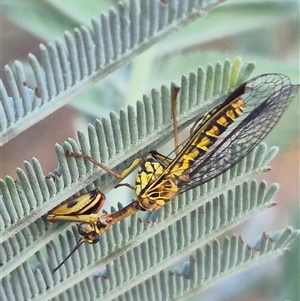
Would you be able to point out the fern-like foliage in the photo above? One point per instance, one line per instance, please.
(115, 142)
(135, 259)
(86, 57)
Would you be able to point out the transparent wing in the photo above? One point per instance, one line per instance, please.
(241, 141)
(266, 97)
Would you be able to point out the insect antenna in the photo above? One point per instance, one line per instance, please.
(80, 242)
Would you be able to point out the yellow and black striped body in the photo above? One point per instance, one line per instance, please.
(247, 115)
(219, 141)
(157, 178)
(206, 134)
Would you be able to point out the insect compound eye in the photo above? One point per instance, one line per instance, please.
(87, 231)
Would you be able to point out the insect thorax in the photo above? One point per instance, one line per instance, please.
(151, 190)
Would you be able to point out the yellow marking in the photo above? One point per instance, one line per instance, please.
(230, 114)
(213, 132)
(239, 106)
(160, 202)
(147, 174)
(138, 189)
(204, 143)
(240, 111)
(149, 167)
(223, 121)
(92, 201)
(184, 164)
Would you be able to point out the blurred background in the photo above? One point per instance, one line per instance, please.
(266, 32)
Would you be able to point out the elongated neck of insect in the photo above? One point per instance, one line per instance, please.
(128, 210)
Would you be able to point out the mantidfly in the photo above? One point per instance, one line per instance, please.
(82, 210)
(217, 142)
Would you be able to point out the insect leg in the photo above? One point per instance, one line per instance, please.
(83, 205)
(93, 226)
(123, 213)
(174, 115)
(126, 185)
(120, 176)
(83, 218)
